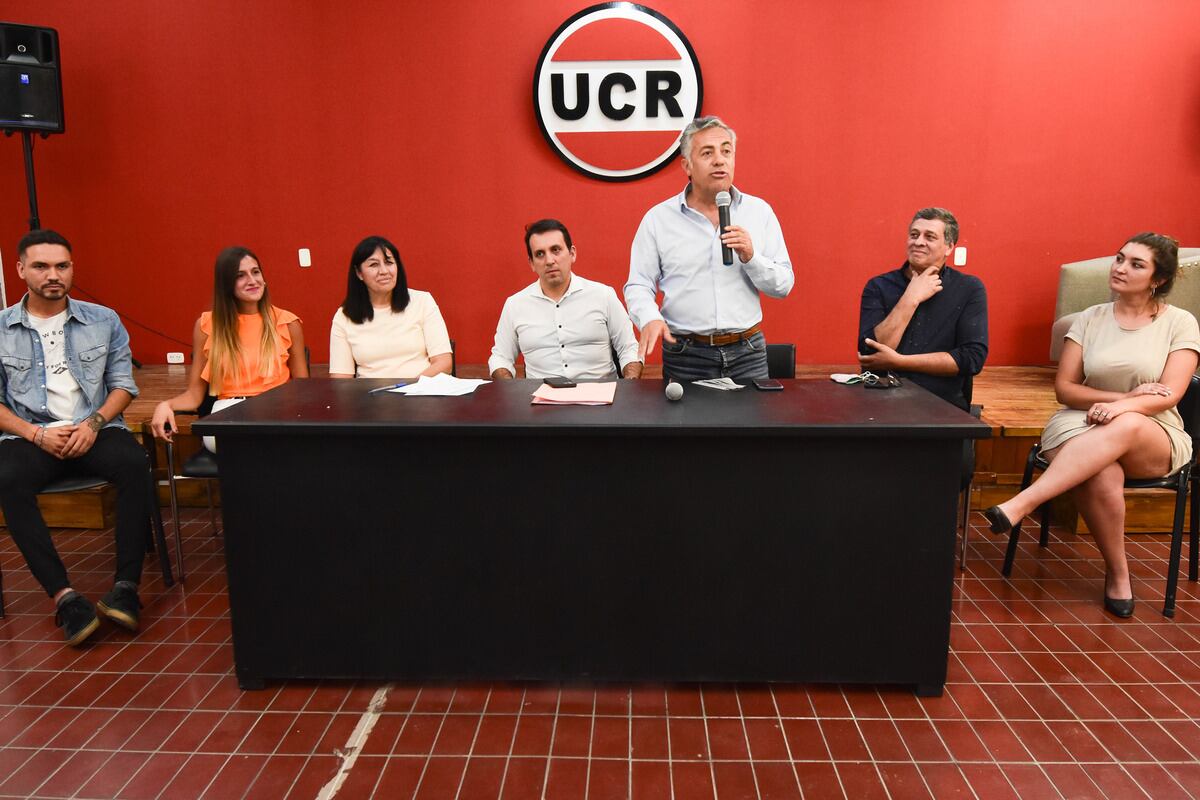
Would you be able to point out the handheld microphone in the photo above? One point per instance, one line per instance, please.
(674, 391)
(723, 201)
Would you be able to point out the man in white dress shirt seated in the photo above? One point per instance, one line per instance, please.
(711, 319)
(563, 324)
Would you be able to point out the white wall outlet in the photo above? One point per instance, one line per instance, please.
(305, 257)
(174, 358)
(960, 256)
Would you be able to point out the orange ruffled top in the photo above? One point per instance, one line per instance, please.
(246, 381)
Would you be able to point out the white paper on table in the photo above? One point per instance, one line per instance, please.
(724, 384)
(584, 394)
(440, 385)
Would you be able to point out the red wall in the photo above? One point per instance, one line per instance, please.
(1052, 129)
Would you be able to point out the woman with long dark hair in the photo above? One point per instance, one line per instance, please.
(1124, 368)
(384, 329)
(243, 346)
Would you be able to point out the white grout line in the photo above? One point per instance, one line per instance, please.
(512, 742)
(550, 747)
(433, 744)
(354, 745)
(667, 725)
(629, 742)
(483, 712)
(787, 745)
(746, 737)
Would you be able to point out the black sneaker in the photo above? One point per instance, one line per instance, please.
(121, 605)
(77, 617)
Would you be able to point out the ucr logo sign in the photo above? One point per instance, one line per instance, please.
(615, 86)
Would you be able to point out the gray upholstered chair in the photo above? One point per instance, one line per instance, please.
(1082, 284)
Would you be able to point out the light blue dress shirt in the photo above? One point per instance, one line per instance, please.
(98, 358)
(678, 251)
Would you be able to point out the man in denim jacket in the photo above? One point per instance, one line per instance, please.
(65, 380)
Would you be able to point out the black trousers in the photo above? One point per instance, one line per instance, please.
(26, 469)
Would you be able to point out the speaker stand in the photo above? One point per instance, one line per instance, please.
(35, 221)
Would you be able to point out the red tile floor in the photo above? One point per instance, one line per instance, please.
(1047, 697)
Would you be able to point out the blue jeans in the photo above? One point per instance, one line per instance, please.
(689, 361)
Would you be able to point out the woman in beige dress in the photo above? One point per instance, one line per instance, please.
(1124, 367)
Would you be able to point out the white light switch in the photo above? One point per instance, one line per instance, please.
(960, 256)
(305, 257)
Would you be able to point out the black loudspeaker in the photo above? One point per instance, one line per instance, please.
(30, 80)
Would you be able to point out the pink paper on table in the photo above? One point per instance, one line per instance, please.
(584, 394)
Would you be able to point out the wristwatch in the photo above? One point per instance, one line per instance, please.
(96, 422)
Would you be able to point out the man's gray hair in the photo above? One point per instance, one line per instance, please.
(945, 216)
(702, 124)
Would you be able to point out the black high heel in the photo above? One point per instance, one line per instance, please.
(1116, 607)
(1119, 608)
(998, 522)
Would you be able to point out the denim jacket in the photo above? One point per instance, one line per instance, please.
(98, 358)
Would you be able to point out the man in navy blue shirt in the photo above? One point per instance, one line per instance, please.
(926, 322)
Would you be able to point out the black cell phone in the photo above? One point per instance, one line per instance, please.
(767, 385)
(557, 382)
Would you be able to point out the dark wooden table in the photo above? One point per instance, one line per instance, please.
(802, 535)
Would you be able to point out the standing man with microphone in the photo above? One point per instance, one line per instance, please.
(710, 250)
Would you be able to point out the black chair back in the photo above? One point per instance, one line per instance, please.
(781, 360)
(206, 405)
(1189, 408)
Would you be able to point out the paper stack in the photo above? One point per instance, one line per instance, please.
(585, 394)
(440, 385)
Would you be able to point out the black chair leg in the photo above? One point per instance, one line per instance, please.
(1, 594)
(1015, 534)
(1044, 538)
(1181, 492)
(1011, 552)
(174, 495)
(159, 536)
(1194, 528)
(965, 499)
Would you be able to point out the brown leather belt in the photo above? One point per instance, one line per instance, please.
(718, 339)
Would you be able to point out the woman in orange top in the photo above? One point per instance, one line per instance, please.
(243, 347)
